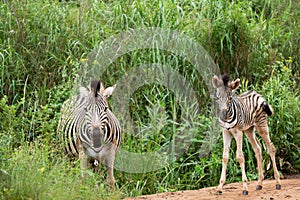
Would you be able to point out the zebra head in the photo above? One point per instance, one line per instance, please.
(96, 114)
(225, 91)
(96, 88)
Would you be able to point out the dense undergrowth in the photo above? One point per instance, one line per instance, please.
(43, 45)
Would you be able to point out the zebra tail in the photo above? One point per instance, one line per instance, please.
(268, 109)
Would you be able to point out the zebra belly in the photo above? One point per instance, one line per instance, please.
(244, 127)
(234, 125)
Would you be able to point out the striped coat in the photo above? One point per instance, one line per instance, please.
(241, 114)
(246, 110)
(89, 129)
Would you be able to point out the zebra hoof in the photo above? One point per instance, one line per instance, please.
(219, 192)
(245, 192)
(258, 187)
(278, 187)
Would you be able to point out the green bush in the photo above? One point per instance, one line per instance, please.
(282, 93)
(34, 174)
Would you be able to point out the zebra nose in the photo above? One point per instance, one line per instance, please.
(96, 137)
(223, 114)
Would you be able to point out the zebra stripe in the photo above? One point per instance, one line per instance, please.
(87, 123)
(243, 111)
(238, 114)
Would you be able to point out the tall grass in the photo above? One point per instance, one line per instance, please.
(34, 174)
(43, 45)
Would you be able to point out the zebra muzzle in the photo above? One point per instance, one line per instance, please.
(223, 114)
(97, 137)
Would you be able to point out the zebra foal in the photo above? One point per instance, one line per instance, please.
(89, 129)
(238, 114)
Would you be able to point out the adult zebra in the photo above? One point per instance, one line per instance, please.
(240, 114)
(89, 129)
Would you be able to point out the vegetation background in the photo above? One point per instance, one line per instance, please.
(43, 45)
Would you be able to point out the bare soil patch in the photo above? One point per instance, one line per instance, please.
(290, 190)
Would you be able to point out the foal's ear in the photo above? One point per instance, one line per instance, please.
(235, 84)
(216, 82)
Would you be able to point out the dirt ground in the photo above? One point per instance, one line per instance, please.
(290, 190)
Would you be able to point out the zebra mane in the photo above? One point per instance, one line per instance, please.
(226, 79)
(95, 86)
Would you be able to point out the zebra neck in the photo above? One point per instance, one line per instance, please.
(92, 151)
(230, 119)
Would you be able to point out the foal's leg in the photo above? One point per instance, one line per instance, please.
(238, 136)
(257, 150)
(264, 133)
(226, 146)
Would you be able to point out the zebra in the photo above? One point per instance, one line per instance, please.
(89, 130)
(238, 114)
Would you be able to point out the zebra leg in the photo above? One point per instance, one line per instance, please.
(238, 136)
(84, 163)
(110, 176)
(109, 161)
(258, 154)
(226, 146)
(264, 133)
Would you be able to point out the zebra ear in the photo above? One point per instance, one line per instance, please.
(102, 88)
(108, 91)
(235, 84)
(216, 82)
(83, 91)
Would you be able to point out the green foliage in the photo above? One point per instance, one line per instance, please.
(282, 93)
(34, 174)
(11, 132)
(43, 44)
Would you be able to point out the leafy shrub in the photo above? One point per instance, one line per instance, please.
(281, 92)
(34, 174)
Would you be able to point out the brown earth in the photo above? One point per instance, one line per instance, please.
(290, 190)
